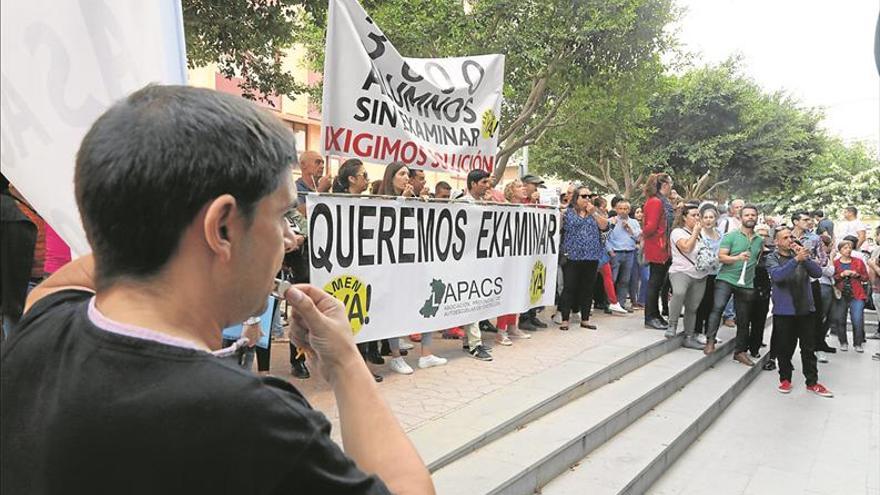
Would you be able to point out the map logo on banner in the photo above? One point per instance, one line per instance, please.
(401, 267)
(432, 114)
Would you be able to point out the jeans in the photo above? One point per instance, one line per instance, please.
(827, 293)
(729, 311)
(856, 314)
(580, 277)
(621, 270)
(742, 303)
(655, 284)
(787, 331)
(701, 324)
(644, 275)
(688, 292)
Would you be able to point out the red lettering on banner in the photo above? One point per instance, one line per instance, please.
(385, 149)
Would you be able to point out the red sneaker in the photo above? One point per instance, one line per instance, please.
(820, 390)
(453, 333)
(416, 337)
(784, 387)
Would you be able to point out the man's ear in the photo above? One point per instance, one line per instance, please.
(219, 225)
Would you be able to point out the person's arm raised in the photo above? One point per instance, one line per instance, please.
(371, 435)
(78, 274)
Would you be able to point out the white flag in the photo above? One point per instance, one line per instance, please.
(63, 64)
(431, 114)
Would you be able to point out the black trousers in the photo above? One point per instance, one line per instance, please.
(757, 320)
(656, 280)
(818, 316)
(705, 308)
(788, 331)
(580, 277)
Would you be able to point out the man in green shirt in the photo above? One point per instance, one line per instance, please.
(738, 253)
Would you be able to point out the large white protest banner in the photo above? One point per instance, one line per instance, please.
(432, 114)
(63, 63)
(406, 266)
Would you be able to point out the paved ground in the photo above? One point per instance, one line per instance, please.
(434, 392)
(769, 443)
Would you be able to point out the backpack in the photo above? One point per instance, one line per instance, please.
(706, 259)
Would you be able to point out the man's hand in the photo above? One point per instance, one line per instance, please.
(321, 328)
(744, 256)
(252, 333)
(324, 183)
(801, 254)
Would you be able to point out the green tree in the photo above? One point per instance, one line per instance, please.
(606, 127)
(715, 127)
(247, 40)
(840, 176)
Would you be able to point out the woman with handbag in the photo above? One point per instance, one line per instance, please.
(688, 282)
(849, 275)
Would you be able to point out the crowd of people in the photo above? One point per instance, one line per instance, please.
(690, 266)
(98, 347)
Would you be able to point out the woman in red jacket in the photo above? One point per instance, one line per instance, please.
(849, 273)
(655, 232)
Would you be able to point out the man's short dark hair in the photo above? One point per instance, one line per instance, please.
(443, 185)
(154, 159)
(616, 199)
(853, 210)
(475, 176)
(798, 214)
(819, 214)
(751, 207)
(414, 171)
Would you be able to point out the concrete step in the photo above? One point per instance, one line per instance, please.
(631, 461)
(527, 458)
(446, 439)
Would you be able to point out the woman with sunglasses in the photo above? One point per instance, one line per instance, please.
(352, 178)
(581, 244)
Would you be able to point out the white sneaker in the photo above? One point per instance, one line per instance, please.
(503, 339)
(701, 338)
(843, 347)
(821, 357)
(430, 361)
(516, 333)
(404, 345)
(859, 348)
(617, 308)
(398, 365)
(557, 318)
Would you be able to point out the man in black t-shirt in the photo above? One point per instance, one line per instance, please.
(110, 384)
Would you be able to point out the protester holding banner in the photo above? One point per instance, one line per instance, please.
(313, 178)
(352, 178)
(514, 192)
(442, 190)
(397, 182)
(529, 320)
(582, 248)
(655, 231)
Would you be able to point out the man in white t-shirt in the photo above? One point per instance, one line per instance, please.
(851, 225)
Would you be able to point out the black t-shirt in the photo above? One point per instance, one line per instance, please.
(85, 410)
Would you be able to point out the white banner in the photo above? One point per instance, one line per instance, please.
(409, 266)
(63, 64)
(432, 114)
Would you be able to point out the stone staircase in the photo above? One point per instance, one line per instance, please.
(609, 420)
